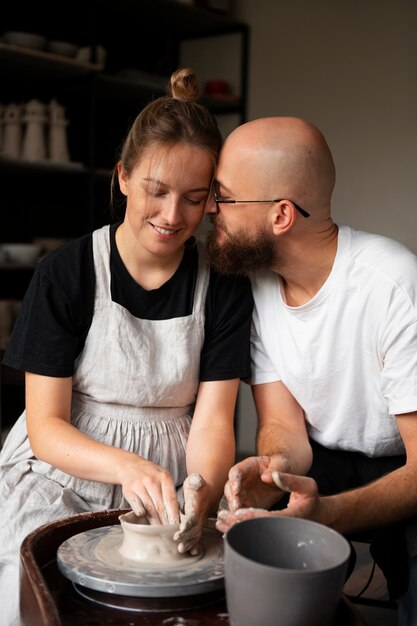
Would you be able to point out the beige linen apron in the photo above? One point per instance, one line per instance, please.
(135, 386)
(137, 379)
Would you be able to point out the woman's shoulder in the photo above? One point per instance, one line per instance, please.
(68, 270)
(69, 256)
(233, 284)
(70, 267)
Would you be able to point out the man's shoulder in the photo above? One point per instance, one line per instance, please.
(380, 260)
(381, 252)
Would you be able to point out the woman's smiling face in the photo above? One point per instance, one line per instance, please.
(167, 195)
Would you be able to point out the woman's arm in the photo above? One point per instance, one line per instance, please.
(146, 486)
(211, 443)
(210, 454)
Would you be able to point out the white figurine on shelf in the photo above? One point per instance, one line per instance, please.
(58, 147)
(34, 142)
(12, 131)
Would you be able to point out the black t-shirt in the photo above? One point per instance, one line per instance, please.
(57, 310)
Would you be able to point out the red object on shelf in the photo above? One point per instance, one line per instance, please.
(216, 87)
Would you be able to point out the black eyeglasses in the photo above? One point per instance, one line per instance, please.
(218, 200)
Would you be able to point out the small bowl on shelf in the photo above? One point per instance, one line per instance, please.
(85, 55)
(19, 253)
(48, 244)
(63, 48)
(26, 40)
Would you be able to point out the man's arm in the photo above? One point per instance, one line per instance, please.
(282, 429)
(282, 444)
(391, 498)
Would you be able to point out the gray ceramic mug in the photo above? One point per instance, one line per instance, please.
(284, 571)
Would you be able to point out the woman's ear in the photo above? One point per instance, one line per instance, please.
(283, 217)
(123, 178)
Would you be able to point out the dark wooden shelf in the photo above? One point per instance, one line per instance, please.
(42, 166)
(21, 59)
(173, 18)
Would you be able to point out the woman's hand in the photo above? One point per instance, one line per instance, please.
(192, 521)
(150, 491)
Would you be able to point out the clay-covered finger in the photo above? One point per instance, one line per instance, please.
(170, 503)
(136, 505)
(190, 546)
(151, 511)
(235, 480)
(226, 519)
(194, 482)
(188, 539)
(233, 499)
(188, 525)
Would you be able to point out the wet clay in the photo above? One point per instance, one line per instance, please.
(147, 543)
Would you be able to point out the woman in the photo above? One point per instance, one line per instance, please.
(132, 349)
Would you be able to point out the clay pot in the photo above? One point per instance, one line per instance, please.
(147, 543)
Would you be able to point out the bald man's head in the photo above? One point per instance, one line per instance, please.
(285, 157)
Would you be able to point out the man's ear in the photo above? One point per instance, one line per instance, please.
(123, 178)
(283, 217)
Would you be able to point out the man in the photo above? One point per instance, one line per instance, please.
(334, 349)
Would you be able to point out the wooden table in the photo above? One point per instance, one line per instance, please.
(49, 599)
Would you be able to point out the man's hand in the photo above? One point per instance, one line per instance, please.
(304, 502)
(226, 519)
(192, 520)
(250, 482)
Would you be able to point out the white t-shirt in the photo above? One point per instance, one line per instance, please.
(348, 356)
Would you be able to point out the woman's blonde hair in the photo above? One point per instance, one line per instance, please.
(172, 119)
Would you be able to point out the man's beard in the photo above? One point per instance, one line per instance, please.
(240, 253)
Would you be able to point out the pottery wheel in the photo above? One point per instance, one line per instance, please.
(92, 559)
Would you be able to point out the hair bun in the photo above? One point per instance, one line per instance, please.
(184, 85)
